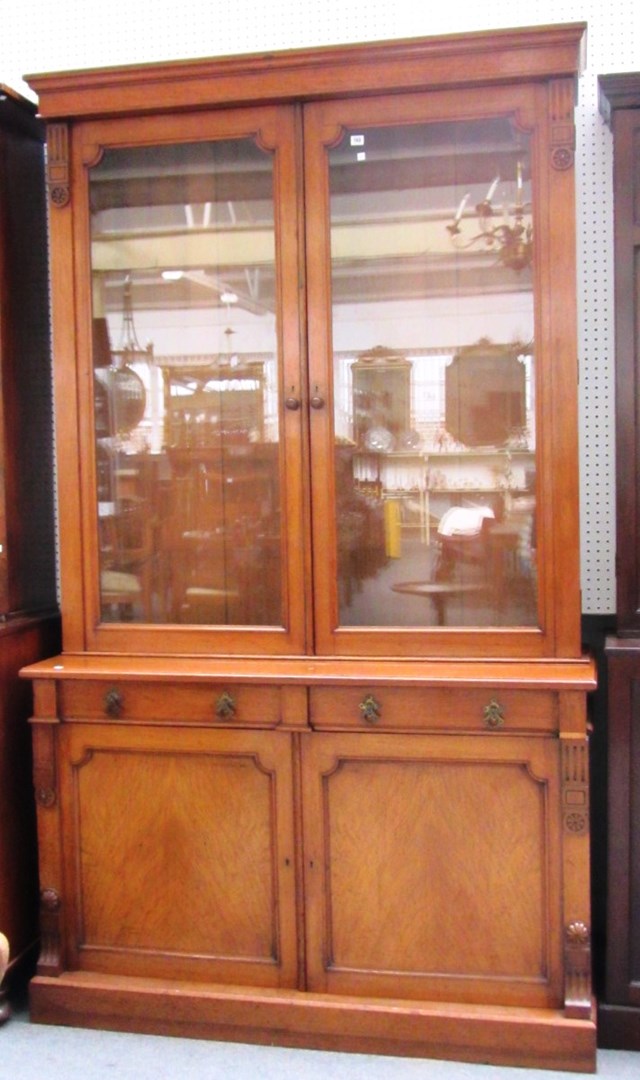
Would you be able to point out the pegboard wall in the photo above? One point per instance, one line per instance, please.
(89, 33)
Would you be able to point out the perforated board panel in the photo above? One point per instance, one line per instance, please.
(85, 33)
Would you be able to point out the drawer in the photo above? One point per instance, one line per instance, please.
(433, 709)
(209, 703)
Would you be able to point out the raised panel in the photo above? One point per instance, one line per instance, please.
(183, 854)
(432, 868)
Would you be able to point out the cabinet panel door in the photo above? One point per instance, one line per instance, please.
(432, 867)
(179, 860)
(443, 451)
(187, 346)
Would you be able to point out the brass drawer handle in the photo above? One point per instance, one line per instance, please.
(494, 714)
(370, 710)
(113, 703)
(225, 707)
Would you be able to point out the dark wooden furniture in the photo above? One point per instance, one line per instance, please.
(28, 624)
(295, 807)
(620, 1004)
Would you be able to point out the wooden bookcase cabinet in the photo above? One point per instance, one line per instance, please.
(619, 1007)
(349, 836)
(29, 624)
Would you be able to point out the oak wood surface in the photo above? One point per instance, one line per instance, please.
(186, 865)
(299, 871)
(409, 890)
(496, 1035)
(480, 58)
(560, 674)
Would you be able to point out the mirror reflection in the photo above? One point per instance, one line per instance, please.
(434, 386)
(433, 365)
(187, 430)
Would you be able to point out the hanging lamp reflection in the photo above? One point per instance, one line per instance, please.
(511, 240)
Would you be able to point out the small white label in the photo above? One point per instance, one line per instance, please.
(357, 140)
(361, 156)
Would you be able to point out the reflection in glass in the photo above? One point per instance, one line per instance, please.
(186, 424)
(434, 386)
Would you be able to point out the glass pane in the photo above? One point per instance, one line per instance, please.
(186, 384)
(434, 388)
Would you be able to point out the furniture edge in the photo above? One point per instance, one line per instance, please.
(491, 1035)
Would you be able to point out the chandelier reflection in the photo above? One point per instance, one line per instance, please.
(511, 240)
(130, 350)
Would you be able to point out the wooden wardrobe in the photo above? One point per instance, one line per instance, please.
(29, 622)
(619, 1007)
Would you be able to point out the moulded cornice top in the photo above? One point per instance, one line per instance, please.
(16, 112)
(618, 91)
(496, 56)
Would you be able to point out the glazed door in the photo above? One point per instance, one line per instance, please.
(189, 354)
(432, 867)
(179, 853)
(431, 418)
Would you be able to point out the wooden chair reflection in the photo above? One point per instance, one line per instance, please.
(222, 559)
(192, 542)
(126, 558)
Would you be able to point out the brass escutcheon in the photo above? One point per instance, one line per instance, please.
(113, 703)
(225, 707)
(494, 714)
(370, 709)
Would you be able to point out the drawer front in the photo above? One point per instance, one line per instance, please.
(211, 703)
(433, 709)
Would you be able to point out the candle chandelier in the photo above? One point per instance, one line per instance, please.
(130, 350)
(511, 240)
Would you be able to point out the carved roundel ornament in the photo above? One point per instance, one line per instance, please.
(562, 158)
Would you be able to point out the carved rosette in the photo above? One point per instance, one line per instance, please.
(50, 932)
(575, 786)
(577, 970)
(562, 158)
(563, 131)
(58, 174)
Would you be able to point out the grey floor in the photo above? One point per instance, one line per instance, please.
(40, 1052)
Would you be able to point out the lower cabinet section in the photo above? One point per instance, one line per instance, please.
(23, 639)
(407, 892)
(619, 1006)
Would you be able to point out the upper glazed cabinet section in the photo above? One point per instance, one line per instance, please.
(317, 367)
